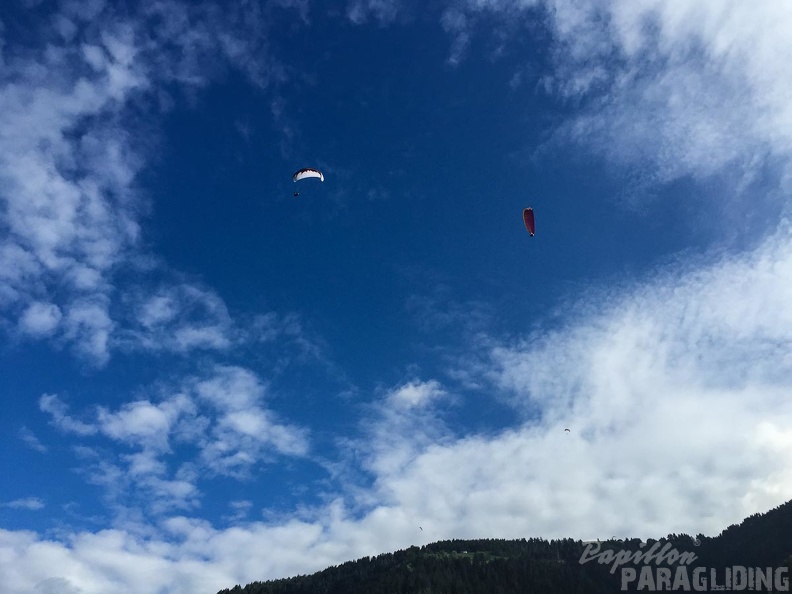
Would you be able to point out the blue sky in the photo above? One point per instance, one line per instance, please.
(209, 381)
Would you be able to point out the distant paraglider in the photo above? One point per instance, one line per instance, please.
(307, 172)
(567, 430)
(528, 219)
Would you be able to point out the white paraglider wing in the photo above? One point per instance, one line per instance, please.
(307, 172)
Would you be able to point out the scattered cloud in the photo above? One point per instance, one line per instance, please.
(238, 511)
(245, 431)
(179, 318)
(40, 319)
(415, 395)
(461, 20)
(220, 417)
(666, 89)
(635, 376)
(688, 370)
(455, 23)
(400, 426)
(70, 154)
(30, 503)
(59, 411)
(30, 439)
(383, 11)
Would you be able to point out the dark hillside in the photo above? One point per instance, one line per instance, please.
(496, 566)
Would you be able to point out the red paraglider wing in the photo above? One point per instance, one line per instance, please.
(528, 219)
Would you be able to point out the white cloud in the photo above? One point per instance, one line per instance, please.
(230, 389)
(415, 394)
(179, 317)
(657, 433)
(384, 11)
(140, 484)
(157, 309)
(460, 19)
(30, 503)
(89, 325)
(239, 511)
(30, 439)
(217, 424)
(190, 338)
(141, 423)
(245, 431)
(145, 463)
(40, 319)
(688, 371)
(50, 403)
(18, 274)
(62, 223)
(190, 555)
(674, 391)
(402, 424)
(668, 88)
(455, 23)
(69, 209)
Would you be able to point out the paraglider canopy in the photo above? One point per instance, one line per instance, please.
(307, 172)
(528, 219)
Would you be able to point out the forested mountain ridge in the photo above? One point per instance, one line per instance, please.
(497, 566)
